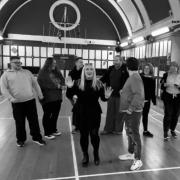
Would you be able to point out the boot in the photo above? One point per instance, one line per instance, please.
(85, 160)
(96, 158)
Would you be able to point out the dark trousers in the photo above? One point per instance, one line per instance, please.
(24, 110)
(132, 122)
(171, 112)
(75, 116)
(145, 114)
(50, 117)
(84, 139)
(114, 120)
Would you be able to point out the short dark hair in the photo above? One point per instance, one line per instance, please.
(14, 57)
(132, 64)
(76, 59)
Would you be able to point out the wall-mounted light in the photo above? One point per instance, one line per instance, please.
(124, 44)
(160, 31)
(138, 39)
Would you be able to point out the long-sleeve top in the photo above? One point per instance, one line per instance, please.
(149, 88)
(115, 78)
(89, 108)
(50, 84)
(132, 96)
(18, 86)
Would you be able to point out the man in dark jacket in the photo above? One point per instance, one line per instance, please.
(75, 74)
(115, 77)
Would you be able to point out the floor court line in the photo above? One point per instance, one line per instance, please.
(117, 173)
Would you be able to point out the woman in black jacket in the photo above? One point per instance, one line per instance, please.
(147, 76)
(88, 91)
(51, 82)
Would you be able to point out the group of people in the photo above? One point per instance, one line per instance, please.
(128, 93)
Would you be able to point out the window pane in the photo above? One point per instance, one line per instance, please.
(36, 62)
(98, 64)
(85, 61)
(157, 49)
(64, 51)
(79, 52)
(161, 49)
(36, 51)
(110, 55)
(57, 51)
(43, 52)
(92, 61)
(104, 64)
(165, 48)
(21, 50)
(22, 61)
(28, 61)
(91, 54)
(14, 51)
(85, 54)
(6, 50)
(98, 54)
(104, 54)
(50, 52)
(154, 50)
(42, 61)
(72, 51)
(6, 60)
(110, 63)
(169, 46)
(28, 51)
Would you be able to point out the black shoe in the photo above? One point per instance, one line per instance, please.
(20, 143)
(96, 158)
(174, 135)
(166, 137)
(147, 134)
(41, 142)
(85, 160)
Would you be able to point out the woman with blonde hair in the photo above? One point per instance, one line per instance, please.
(88, 91)
(147, 76)
(170, 87)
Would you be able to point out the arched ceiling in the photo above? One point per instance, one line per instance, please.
(100, 19)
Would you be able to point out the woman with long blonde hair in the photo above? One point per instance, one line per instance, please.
(88, 91)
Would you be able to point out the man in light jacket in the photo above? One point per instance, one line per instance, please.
(18, 85)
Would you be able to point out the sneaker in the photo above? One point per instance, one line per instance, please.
(75, 131)
(20, 143)
(41, 142)
(166, 138)
(117, 132)
(173, 134)
(136, 165)
(50, 137)
(147, 134)
(57, 133)
(125, 157)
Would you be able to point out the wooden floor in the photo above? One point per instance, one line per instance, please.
(61, 158)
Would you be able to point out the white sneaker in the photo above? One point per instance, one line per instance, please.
(57, 133)
(126, 157)
(50, 137)
(136, 165)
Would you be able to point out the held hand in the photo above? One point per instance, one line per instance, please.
(69, 82)
(108, 92)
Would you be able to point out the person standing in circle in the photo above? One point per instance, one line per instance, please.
(88, 91)
(51, 82)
